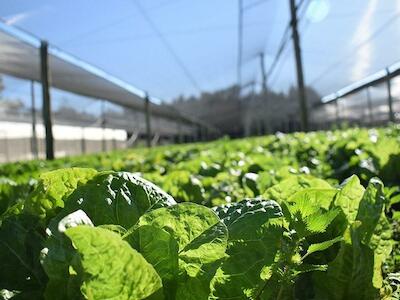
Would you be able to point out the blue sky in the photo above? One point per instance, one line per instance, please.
(355, 39)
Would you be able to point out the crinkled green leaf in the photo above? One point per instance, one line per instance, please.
(320, 197)
(53, 188)
(374, 230)
(183, 242)
(20, 245)
(349, 197)
(7, 188)
(115, 198)
(109, 268)
(359, 262)
(160, 249)
(184, 187)
(13, 196)
(244, 218)
(293, 184)
(56, 258)
(254, 239)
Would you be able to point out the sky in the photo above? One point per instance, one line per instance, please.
(174, 47)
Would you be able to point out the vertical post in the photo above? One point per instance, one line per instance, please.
(369, 104)
(203, 133)
(390, 98)
(114, 141)
(337, 110)
(263, 74)
(299, 66)
(148, 123)
(34, 145)
(83, 142)
(180, 136)
(103, 127)
(199, 133)
(240, 41)
(7, 148)
(45, 78)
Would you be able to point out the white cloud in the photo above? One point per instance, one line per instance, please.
(22, 16)
(14, 19)
(364, 54)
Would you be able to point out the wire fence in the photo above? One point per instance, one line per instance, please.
(374, 101)
(80, 124)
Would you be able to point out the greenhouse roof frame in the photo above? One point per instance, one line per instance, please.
(376, 78)
(20, 57)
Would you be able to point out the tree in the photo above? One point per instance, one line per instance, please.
(251, 114)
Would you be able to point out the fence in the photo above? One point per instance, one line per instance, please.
(373, 101)
(79, 124)
(69, 107)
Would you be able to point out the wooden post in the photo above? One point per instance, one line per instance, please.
(299, 66)
(390, 98)
(148, 121)
(34, 145)
(45, 78)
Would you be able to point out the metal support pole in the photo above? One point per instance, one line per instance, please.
(180, 136)
(240, 41)
(148, 123)
(114, 142)
(45, 78)
(199, 133)
(203, 133)
(83, 142)
(34, 145)
(369, 104)
(103, 127)
(390, 98)
(263, 74)
(299, 66)
(337, 111)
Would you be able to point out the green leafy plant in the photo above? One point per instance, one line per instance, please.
(262, 218)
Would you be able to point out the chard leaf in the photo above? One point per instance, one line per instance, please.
(109, 268)
(20, 245)
(370, 209)
(53, 188)
(111, 199)
(321, 197)
(349, 197)
(183, 242)
(359, 262)
(118, 198)
(374, 230)
(184, 187)
(160, 249)
(255, 233)
(295, 183)
(7, 194)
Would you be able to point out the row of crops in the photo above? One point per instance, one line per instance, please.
(296, 216)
